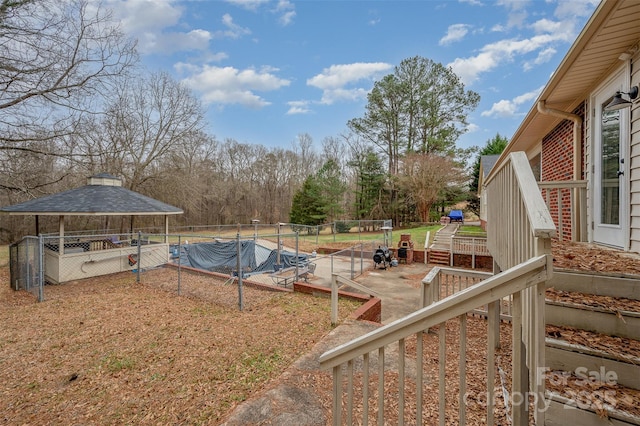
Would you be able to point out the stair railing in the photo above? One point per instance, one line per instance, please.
(443, 282)
(519, 238)
(360, 353)
(519, 227)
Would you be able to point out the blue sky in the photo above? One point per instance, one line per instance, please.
(267, 71)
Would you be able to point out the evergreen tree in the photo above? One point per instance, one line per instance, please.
(307, 204)
(370, 183)
(332, 189)
(422, 107)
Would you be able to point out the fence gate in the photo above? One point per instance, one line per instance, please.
(25, 266)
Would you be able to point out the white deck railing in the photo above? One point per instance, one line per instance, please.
(569, 196)
(519, 238)
(472, 246)
(444, 282)
(520, 227)
(344, 359)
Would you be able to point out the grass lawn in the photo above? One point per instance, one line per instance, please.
(471, 230)
(418, 236)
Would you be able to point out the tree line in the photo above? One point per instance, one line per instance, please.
(74, 101)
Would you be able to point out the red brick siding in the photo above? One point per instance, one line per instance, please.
(557, 165)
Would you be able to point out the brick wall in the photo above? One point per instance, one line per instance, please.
(371, 309)
(557, 165)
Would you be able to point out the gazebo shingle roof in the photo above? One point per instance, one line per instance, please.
(102, 196)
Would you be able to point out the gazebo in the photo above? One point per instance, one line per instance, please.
(68, 258)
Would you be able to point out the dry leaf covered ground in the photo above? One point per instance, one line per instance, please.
(110, 351)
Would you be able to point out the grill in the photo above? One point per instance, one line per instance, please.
(381, 258)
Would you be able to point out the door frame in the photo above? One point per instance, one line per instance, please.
(619, 80)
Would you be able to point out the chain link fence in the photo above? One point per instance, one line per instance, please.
(25, 266)
(202, 264)
(306, 233)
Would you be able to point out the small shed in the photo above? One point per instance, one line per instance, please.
(68, 258)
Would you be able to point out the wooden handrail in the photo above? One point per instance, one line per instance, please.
(523, 276)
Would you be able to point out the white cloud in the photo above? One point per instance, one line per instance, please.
(149, 22)
(498, 28)
(548, 26)
(298, 107)
(568, 9)
(509, 108)
(287, 9)
(472, 128)
(233, 30)
(472, 2)
(547, 34)
(252, 5)
(143, 16)
(544, 56)
(333, 80)
(170, 42)
(455, 32)
(517, 12)
(494, 54)
(339, 75)
(228, 85)
(287, 18)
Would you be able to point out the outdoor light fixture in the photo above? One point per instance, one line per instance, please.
(618, 103)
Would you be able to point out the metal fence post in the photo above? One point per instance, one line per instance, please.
(179, 264)
(40, 256)
(239, 271)
(139, 256)
(297, 258)
(353, 272)
(334, 299)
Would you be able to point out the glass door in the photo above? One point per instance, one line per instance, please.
(609, 180)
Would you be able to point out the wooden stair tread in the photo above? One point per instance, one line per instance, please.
(605, 400)
(618, 348)
(603, 303)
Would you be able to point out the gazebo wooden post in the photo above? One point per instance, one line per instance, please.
(61, 235)
(166, 228)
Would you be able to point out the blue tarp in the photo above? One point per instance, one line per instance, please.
(221, 257)
(456, 215)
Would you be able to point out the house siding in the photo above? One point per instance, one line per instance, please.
(557, 165)
(588, 161)
(634, 163)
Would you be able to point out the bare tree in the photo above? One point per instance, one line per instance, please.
(57, 59)
(149, 121)
(426, 176)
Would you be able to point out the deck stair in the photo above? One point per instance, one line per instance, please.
(439, 252)
(593, 335)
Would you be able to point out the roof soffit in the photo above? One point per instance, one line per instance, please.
(611, 31)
